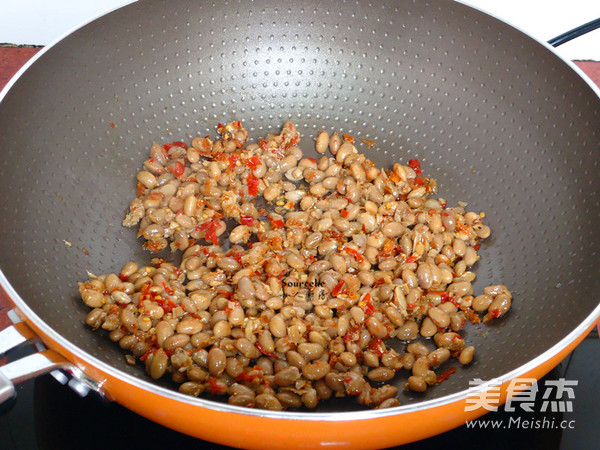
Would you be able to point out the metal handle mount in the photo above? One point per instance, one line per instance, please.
(37, 364)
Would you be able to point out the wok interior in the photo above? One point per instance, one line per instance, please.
(498, 120)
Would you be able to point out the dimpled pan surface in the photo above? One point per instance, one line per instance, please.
(499, 120)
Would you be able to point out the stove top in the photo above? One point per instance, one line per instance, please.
(47, 415)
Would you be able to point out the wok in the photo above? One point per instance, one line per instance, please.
(497, 118)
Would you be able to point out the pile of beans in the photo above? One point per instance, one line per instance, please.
(295, 273)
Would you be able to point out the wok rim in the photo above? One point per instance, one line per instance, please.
(549, 47)
(336, 416)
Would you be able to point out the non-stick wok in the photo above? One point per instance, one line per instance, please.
(497, 118)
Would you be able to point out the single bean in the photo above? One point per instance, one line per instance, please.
(287, 376)
(438, 356)
(377, 328)
(421, 365)
(416, 384)
(316, 370)
(189, 325)
(176, 341)
(159, 364)
(408, 331)
(334, 143)
(466, 355)
(192, 388)
(499, 306)
(482, 302)
(216, 361)
(268, 401)
(439, 317)
(381, 374)
(417, 349)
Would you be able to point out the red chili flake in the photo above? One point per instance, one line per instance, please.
(195, 316)
(167, 305)
(344, 213)
(333, 360)
(123, 277)
(473, 318)
(246, 220)
(177, 169)
(388, 248)
(231, 305)
(334, 235)
(210, 230)
(152, 246)
(415, 165)
(168, 289)
(145, 355)
(253, 162)
(369, 308)
(495, 313)
(145, 290)
(419, 181)
(357, 255)
(232, 160)
(354, 331)
(412, 258)
(395, 178)
(463, 228)
(112, 125)
(183, 145)
(140, 189)
(312, 160)
(252, 376)
(252, 185)
(263, 144)
(264, 352)
(220, 156)
(338, 287)
(227, 294)
(446, 374)
(276, 223)
(348, 138)
(476, 247)
(377, 345)
(216, 387)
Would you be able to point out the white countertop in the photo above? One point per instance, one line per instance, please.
(40, 22)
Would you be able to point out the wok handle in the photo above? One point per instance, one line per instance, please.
(574, 33)
(29, 366)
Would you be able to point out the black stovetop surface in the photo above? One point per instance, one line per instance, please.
(47, 415)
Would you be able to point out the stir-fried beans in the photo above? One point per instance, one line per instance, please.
(295, 273)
